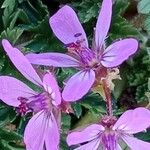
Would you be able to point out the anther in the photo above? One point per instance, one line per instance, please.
(77, 34)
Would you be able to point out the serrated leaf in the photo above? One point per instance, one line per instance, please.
(12, 34)
(121, 28)
(9, 6)
(87, 10)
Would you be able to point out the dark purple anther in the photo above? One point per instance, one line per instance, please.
(35, 103)
(77, 34)
(23, 107)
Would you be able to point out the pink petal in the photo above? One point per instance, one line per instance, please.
(35, 131)
(118, 147)
(53, 59)
(52, 137)
(51, 86)
(41, 128)
(66, 26)
(21, 63)
(11, 89)
(91, 132)
(78, 85)
(136, 144)
(133, 121)
(93, 145)
(103, 23)
(118, 52)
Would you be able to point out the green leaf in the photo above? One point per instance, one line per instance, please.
(8, 3)
(10, 140)
(149, 84)
(77, 109)
(35, 11)
(121, 28)
(144, 136)
(65, 125)
(147, 24)
(12, 34)
(7, 115)
(144, 7)
(140, 93)
(4, 145)
(94, 103)
(120, 6)
(9, 6)
(9, 136)
(87, 10)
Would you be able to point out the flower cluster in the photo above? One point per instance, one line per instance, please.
(96, 67)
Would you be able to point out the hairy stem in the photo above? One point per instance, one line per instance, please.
(107, 92)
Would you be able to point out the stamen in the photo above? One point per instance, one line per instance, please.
(23, 107)
(34, 103)
(77, 34)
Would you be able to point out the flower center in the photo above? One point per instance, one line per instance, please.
(34, 103)
(108, 121)
(109, 137)
(84, 54)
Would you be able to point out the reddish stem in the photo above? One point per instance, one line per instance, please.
(107, 92)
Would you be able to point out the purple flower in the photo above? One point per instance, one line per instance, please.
(68, 29)
(42, 129)
(110, 133)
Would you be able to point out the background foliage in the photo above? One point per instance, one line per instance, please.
(25, 24)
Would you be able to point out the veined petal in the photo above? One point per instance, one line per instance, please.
(53, 59)
(92, 145)
(136, 144)
(35, 131)
(118, 52)
(52, 137)
(66, 26)
(123, 121)
(90, 133)
(21, 63)
(11, 89)
(78, 85)
(41, 129)
(51, 86)
(134, 121)
(103, 23)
